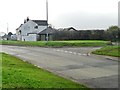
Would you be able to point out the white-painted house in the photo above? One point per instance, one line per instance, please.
(30, 29)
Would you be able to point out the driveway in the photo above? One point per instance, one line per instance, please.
(76, 64)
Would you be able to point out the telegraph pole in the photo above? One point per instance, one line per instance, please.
(7, 28)
(47, 36)
(47, 10)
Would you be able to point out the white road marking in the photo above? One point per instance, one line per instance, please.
(75, 53)
(83, 54)
(66, 51)
(58, 50)
(70, 52)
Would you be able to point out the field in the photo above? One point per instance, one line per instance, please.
(22, 75)
(74, 43)
(109, 50)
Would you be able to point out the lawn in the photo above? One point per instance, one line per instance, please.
(22, 75)
(108, 50)
(72, 43)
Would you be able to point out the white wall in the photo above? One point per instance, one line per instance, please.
(30, 37)
(19, 37)
(13, 37)
(28, 27)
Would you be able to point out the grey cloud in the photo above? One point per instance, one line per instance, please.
(85, 20)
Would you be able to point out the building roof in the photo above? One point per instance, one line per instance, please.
(48, 30)
(19, 26)
(41, 22)
(69, 29)
(5, 36)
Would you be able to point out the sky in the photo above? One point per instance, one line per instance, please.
(80, 14)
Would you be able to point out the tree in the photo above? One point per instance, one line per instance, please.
(112, 33)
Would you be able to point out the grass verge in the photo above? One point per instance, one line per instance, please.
(0, 71)
(18, 74)
(72, 43)
(109, 50)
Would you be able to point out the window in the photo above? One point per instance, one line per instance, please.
(36, 27)
(20, 31)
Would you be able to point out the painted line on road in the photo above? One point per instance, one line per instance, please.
(66, 51)
(70, 52)
(79, 54)
(74, 53)
(84, 54)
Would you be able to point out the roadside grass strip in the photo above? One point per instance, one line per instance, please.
(71, 43)
(109, 50)
(0, 71)
(17, 74)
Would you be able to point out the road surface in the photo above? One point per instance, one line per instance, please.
(76, 64)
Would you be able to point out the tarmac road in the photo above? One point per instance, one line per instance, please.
(76, 64)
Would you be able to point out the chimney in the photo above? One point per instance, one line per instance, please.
(24, 21)
(28, 19)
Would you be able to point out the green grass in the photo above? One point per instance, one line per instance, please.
(109, 50)
(19, 74)
(72, 43)
(0, 71)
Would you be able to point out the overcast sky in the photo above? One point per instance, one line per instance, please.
(81, 14)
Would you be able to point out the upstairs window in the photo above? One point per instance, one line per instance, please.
(20, 31)
(36, 27)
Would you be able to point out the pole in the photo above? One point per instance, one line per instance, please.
(7, 28)
(47, 20)
(47, 10)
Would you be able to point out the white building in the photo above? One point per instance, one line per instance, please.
(30, 29)
(14, 37)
